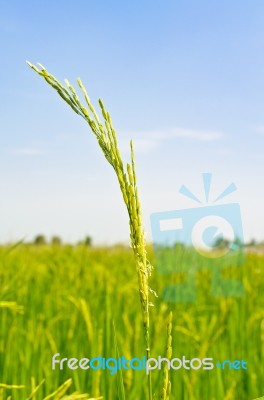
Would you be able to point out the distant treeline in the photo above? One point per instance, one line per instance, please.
(57, 241)
(219, 243)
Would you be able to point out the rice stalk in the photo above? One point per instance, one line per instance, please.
(119, 377)
(13, 306)
(166, 389)
(96, 378)
(59, 393)
(126, 176)
(5, 386)
(34, 388)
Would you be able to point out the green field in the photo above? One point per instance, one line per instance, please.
(64, 299)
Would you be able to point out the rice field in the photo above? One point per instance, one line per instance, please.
(78, 302)
(64, 299)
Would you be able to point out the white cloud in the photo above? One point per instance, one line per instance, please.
(260, 129)
(197, 135)
(28, 151)
(147, 141)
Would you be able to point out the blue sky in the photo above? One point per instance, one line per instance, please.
(184, 79)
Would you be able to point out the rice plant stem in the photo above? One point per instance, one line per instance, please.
(107, 140)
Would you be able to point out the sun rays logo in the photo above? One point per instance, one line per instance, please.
(209, 236)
